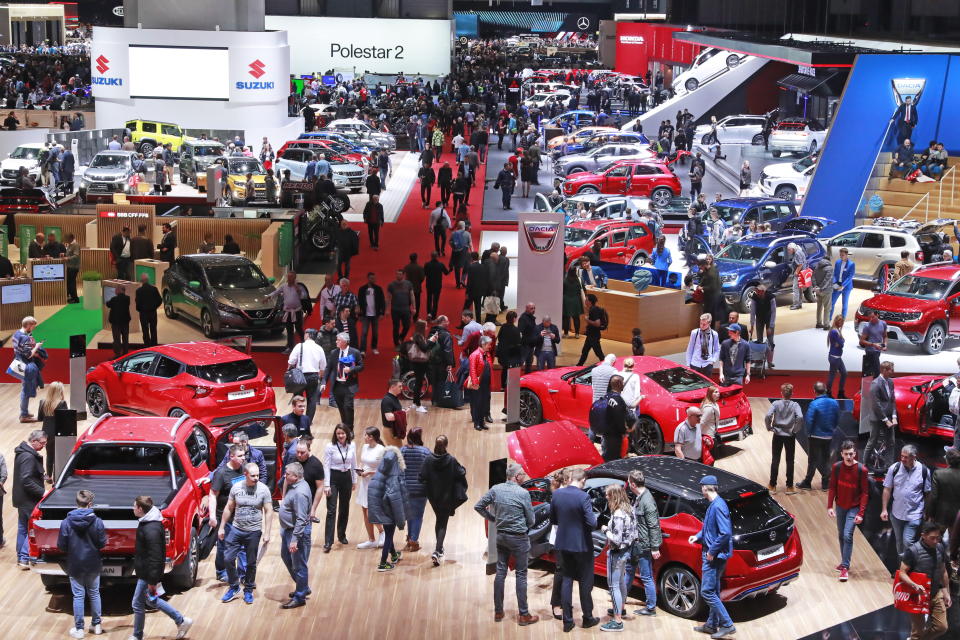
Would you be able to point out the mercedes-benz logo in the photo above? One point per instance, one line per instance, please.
(583, 23)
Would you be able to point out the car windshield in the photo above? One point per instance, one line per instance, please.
(226, 371)
(245, 166)
(236, 276)
(108, 160)
(742, 253)
(678, 380)
(803, 163)
(116, 457)
(208, 150)
(918, 287)
(729, 215)
(25, 153)
(576, 237)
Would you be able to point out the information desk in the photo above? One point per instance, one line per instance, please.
(109, 290)
(153, 268)
(659, 313)
(49, 281)
(16, 302)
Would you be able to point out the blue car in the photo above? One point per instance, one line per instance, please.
(742, 265)
(743, 211)
(573, 119)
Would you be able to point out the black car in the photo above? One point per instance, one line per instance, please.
(221, 293)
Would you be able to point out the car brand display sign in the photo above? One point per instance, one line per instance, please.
(541, 235)
(539, 258)
(630, 39)
(109, 65)
(907, 88)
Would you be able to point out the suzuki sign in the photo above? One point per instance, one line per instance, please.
(109, 70)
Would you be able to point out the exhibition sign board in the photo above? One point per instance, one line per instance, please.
(539, 259)
(382, 46)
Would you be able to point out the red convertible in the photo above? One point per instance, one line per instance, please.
(767, 553)
(565, 393)
(922, 408)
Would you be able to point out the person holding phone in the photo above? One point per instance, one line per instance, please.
(27, 351)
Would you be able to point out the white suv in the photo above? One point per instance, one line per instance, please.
(787, 180)
(874, 246)
(742, 129)
(707, 66)
(359, 126)
(802, 136)
(23, 156)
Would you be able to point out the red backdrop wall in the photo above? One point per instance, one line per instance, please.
(639, 43)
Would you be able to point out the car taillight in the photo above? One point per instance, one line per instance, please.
(199, 391)
(268, 380)
(919, 256)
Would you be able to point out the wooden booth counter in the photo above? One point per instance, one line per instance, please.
(49, 277)
(660, 313)
(16, 302)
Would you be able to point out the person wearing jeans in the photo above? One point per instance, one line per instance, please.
(716, 538)
(414, 454)
(28, 488)
(850, 491)
(822, 419)
(249, 504)
(907, 482)
(81, 537)
(646, 549)
(295, 533)
(621, 534)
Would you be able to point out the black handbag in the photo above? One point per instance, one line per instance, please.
(294, 382)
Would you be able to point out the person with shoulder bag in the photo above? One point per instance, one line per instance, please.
(621, 535)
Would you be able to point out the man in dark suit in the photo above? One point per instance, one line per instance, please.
(434, 270)
(120, 250)
(53, 249)
(140, 246)
(6, 267)
(345, 364)
(906, 118)
(527, 322)
(478, 284)
(883, 418)
(119, 319)
(370, 314)
(67, 168)
(348, 245)
(168, 244)
(572, 514)
(903, 160)
(148, 300)
(35, 248)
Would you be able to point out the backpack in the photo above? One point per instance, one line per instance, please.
(598, 416)
(604, 319)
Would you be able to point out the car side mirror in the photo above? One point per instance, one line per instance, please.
(770, 264)
(194, 284)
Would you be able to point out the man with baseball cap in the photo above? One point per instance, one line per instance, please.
(716, 539)
(734, 357)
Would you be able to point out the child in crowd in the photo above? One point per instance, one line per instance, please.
(636, 343)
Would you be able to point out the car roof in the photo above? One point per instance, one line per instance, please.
(939, 271)
(879, 229)
(115, 152)
(200, 353)
(197, 142)
(769, 238)
(595, 224)
(153, 121)
(32, 145)
(674, 475)
(213, 259)
(132, 428)
(750, 201)
(641, 364)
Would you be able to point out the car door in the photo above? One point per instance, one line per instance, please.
(166, 390)
(804, 180)
(870, 254)
(775, 268)
(639, 238)
(295, 161)
(134, 376)
(953, 309)
(642, 179)
(614, 246)
(265, 435)
(574, 396)
(616, 180)
(192, 298)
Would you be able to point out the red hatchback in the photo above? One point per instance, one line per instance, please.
(644, 178)
(624, 242)
(767, 553)
(210, 382)
(922, 403)
(566, 393)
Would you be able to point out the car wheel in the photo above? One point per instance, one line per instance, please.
(646, 438)
(776, 154)
(691, 84)
(168, 309)
(340, 203)
(184, 179)
(639, 260)
(184, 575)
(407, 382)
(936, 336)
(680, 591)
(573, 170)
(176, 412)
(733, 60)
(786, 192)
(322, 240)
(206, 323)
(589, 189)
(531, 410)
(661, 196)
(813, 147)
(757, 139)
(705, 140)
(745, 303)
(52, 582)
(97, 400)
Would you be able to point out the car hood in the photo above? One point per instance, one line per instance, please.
(726, 267)
(247, 298)
(887, 302)
(780, 170)
(544, 448)
(16, 163)
(104, 173)
(584, 176)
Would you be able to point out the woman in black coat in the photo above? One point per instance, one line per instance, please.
(445, 481)
(508, 348)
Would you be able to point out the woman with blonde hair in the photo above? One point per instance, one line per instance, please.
(709, 422)
(621, 534)
(52, 401)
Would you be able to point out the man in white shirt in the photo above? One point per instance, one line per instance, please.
(703, 350)
(600, 377)
(631, 393)
(330, 291)
(687, 439)
(309, 356)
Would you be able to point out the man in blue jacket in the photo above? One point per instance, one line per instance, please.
(716, 538)
(843, 272)
(81, 537)
(573, 515)
(822, 419)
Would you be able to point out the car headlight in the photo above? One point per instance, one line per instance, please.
(862, 311)
(226, 308)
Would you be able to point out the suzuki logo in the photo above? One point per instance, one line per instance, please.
(541, 236)
(102, 66)
(257, 69)
(583, 23)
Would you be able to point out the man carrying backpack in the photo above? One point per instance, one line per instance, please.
(612, 420)
(597, 321)
(850, 490)
(908, 483)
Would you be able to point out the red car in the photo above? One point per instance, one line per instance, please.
(922, 407)
(169, 459)
(624, 242)
(565, 393)
(327, 146)
(645, 178)
(767, 553)
(921, 308)
(210, 382)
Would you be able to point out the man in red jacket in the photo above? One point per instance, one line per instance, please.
(850, 489)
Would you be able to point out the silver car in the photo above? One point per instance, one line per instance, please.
(383, 140)
(600, 157)
(108, 172)
(742, 129)
(346, 175)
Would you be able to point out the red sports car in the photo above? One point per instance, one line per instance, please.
(767, 553)
(211, 382)
(565, 393)
(922, 406)
(646, 178)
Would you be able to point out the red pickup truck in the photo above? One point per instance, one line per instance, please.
(169, 459)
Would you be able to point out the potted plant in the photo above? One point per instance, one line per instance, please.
(92, 291)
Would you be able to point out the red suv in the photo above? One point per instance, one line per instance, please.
(921, 308)
(645, 178)
(623, 242)
(210, 382)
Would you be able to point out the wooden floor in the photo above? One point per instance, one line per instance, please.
(350, 599)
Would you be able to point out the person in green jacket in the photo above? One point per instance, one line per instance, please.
(647, 547)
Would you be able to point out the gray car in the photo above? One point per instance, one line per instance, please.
(108, 172)
(222, 293)
(598, 158)
(195, 157)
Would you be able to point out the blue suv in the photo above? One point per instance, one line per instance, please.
(762, 256)
(742, 211)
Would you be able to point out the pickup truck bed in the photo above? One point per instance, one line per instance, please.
(113, 493)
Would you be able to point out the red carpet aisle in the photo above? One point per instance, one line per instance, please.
(407, 235)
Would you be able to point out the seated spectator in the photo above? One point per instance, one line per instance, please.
(591, 275)
(903, 164)
(936, 161)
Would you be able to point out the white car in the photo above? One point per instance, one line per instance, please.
(741, 129)
(787, 180)
(600, 157)
(324, 110)
(362, 128)
(23, 156)
(802, 136)
(877, 245)
(346, 175)
(707, 66)
(541, 100)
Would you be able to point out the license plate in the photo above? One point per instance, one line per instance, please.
(729, 422)
(259, 323)
(770, 552)
(111, 570)
(239, 395)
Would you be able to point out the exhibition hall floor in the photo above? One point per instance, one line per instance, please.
(454, 600)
